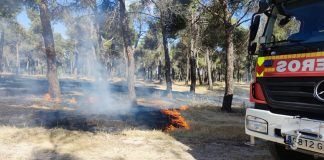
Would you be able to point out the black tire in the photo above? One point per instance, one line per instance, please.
(279, 152)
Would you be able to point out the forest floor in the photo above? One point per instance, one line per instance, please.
(33, 128)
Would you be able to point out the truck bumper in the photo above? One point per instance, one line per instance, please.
(280, 125)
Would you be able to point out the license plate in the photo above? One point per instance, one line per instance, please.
(308, 144)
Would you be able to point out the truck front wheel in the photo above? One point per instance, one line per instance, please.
(279, 152)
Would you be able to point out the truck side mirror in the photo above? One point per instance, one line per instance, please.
(254, 28)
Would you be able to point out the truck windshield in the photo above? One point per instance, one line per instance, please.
(306, 24)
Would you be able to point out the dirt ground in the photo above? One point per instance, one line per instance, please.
(32, 128)
(218, 135)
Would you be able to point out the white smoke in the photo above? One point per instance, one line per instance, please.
(99, 96)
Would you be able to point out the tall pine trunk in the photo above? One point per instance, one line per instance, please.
(166, 58)
(209, 72)
(238, 77)
(151, 73)
(76, 60)
(126, 63)
(193, 55)
(160, 71)
(249, 66)
(229, 46)
(229, 80)
(200, 76)
(193, 73)
(128, 50)
(193, 66)
(17, 58)
(54, 86)
(98, 44)
(188, 68)
(1, 50)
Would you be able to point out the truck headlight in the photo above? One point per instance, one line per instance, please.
(257, 124)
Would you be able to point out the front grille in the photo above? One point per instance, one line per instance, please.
(296, 94)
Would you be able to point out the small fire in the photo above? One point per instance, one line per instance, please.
(183, 108)
(169, 128)
(175, 119)
(47, 97)
(72, 101)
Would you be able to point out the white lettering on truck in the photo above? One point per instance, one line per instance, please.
(294, 66)
(281, 66)
(320, 64)
(306, 65)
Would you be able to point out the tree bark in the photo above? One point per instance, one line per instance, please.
(238, 74)
(27, 65)
(1, 50)
(173, 73)
(209, 72)
(193, 73)
(200, 77)
(147, 72)
(188, 68)
(98, 45)
(213, 75)
(160, 71)
(17, 58)
(76, 60)
(129, 51)
(166, 58)
(193, 54)
(229, 82)
(193, 67)
(229, 46)
(151, 73)
(126, 62)
(54, 86)
(249, 66)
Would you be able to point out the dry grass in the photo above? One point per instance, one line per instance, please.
(200, 89)
(213, 135)
(154, 102)
(209, 123)
(218, 135)
(40, 143)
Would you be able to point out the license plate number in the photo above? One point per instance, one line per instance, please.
(307, 144)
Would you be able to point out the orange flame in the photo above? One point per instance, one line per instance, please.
(72, 101)
(169, 128)
(183, 108)
(175, 119)
(47, 97)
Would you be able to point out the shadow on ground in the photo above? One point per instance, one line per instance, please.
(48, 154)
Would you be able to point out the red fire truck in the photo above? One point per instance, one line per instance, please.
(288, 38)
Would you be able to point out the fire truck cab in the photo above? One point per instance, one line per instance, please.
(287, 36)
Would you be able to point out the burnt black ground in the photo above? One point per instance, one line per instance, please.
(140, 117)
(15, 110)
